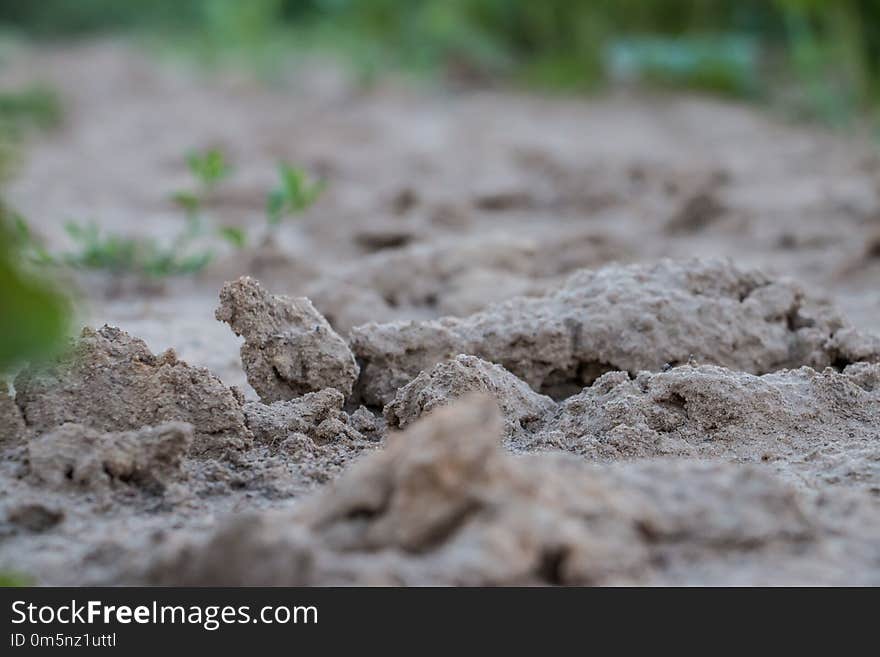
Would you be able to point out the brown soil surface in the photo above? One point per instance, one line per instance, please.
(659, 312)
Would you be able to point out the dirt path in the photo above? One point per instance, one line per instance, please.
(438, 204)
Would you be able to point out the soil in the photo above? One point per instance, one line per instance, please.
(625, 339)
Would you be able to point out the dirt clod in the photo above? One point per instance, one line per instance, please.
(110, 381)
(443, 504)
(289, 348)
(520, 405)
(821, 425)
(34, 517)
(77, 457)
(628, 318)
(318, 415)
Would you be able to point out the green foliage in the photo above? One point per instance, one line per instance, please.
(295, 193)
(121, 254)
(179, 255)
(9, 579)
(724, 65)
(189, 202)
(234, 235)
(826, 51)
(35, 106)
(209, 167)
(34, 316)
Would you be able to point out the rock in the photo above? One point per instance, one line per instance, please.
(289, 348)
(520, 405)
(78, 457)
(110, 381)
(627, 318)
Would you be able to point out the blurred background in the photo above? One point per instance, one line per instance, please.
(820, 58)
(810, 61)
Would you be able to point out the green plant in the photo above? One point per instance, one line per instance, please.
(122, 254)
(34, 315)
(209, 167)
(296, 193)
(10, 579)
(36, 106)
(234, 235)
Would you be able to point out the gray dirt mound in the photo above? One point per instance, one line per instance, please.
(454, 276)
(110, 381)
(444, 504)
(289, 348)
(79, 458)
(520, 405)
(318, 415)
(628, 318)
(817, 427)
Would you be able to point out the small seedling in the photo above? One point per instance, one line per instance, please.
(120, 254)
(209, 167)
(296, 193)
(234, 235)
(189, 202)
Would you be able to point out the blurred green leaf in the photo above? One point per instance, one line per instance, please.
(296, 193)
(10, 579)
(209, 167)
(187, 201)
(34, 316)
(36, 106)
(234, 235)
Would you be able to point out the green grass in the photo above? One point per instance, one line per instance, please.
(186, 251)
(10, 579)
(118, 254)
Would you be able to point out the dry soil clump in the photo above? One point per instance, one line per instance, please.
(444, 504)
(76, 457)
(289, 348)
(110, 381)
(814, 428)
(520, 406)
(627, 318)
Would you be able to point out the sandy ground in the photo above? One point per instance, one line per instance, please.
(439, 204)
